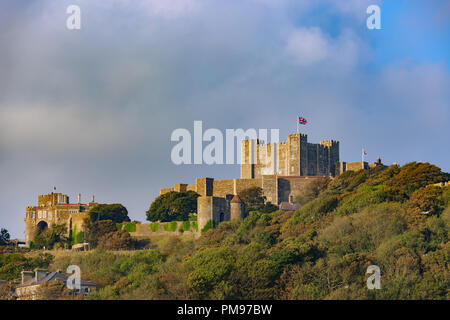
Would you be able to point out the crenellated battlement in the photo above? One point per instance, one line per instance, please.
(293, 157)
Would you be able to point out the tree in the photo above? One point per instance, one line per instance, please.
(51, 236)
(95, 230)
(11, 265)
(115, 212)
(413, 176)
(313, 189)
(55, 290)
(253, 198)
(269, 207)
(116, 240)
(173, 206)
(428, 199)
(4, 237)
(7, 291)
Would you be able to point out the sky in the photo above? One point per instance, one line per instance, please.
(91, 111)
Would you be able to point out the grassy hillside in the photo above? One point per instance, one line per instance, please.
(321, 251)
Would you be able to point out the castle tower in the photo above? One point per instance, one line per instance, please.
(236, 209)
(295, 157)
(247, 159)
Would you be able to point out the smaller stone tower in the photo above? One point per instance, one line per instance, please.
(236, 208)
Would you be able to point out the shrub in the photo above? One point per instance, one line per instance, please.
(363, 197)
(50, 236)
(185, 226)
(171, 226)
(208, 225)
(252, 198)
(154, 226)
(116, 240)
(315, 209)
(11, 265)
(209, 270)
(95, 230)
(79, 238)
(428, 199)
(413, 176)
(130, 227)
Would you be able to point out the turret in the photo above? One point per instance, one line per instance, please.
(236, 209)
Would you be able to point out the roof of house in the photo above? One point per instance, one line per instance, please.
(289, 206)
(54, 276)
(236, 199)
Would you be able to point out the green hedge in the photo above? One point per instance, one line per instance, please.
(208, 225)
(154, 226)
(119, 226)
(185, 226)
(79, 237)
(195, 225)
(171, 226)
(130, 227)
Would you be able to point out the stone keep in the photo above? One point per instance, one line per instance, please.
(54, 208)
(294, 157)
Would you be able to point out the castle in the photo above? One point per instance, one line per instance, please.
(54, 208)
(282, 170)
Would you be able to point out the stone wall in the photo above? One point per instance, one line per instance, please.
(144, 230)
(352, 166)
(291, 187)
(224, 187)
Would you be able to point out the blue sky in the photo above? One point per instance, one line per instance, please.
(92, 110)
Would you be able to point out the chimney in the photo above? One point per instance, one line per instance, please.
(79, 198)
(27, 276)
(40, 274)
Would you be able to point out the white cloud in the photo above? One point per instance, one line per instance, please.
(310, 46)
(61, 130)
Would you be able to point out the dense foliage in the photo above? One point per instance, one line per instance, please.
(4, 237)
(254, 200)
(54, 236)
(104, 234)
(389, 217)
(11, 265)
(173, 206)
(115, 212)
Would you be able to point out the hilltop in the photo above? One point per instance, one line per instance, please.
(397, 218)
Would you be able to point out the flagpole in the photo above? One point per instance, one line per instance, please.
(297, 125)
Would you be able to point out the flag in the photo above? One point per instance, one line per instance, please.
(364, 152)
(302, 120)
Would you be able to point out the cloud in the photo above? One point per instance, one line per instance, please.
(92, 111)
(311, 46)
